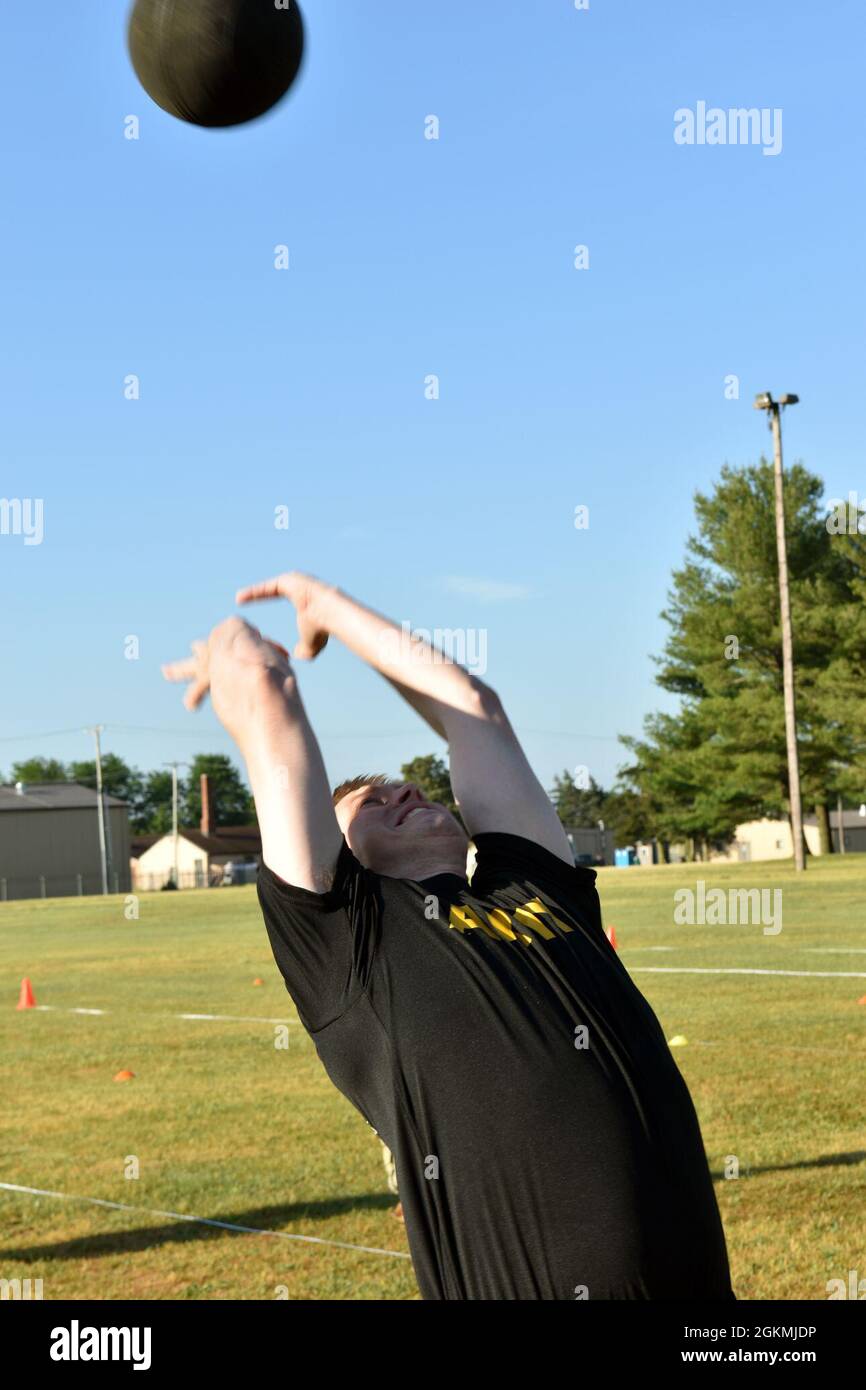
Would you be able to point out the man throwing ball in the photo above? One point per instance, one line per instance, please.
(545, 1142)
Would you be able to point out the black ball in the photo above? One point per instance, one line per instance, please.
(216, 62)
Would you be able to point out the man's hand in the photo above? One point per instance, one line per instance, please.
(235, 664)
(305, 593)
(255, 696)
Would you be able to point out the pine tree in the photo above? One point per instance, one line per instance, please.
(723, 758)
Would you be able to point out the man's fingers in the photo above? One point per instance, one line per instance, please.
(189, 668)
(180, 670)
(266, 588)
(277, 646)
(196, 693)
(309, 650)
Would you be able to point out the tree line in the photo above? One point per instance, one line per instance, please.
(718, 759)
(149, 794)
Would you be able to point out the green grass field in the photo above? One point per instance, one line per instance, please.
(226, 1126)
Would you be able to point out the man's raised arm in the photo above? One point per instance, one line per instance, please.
(256, 698)
(492, 781)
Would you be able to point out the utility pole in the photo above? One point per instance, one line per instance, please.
(774, 409)
(174, 767)
(100, 806)
(841, 831)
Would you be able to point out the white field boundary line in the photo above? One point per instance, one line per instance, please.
(201, 1220)
(633, 970)
(736, 970)
(771, 1047)
(796, 950)
(835, 950)
(208, 1018)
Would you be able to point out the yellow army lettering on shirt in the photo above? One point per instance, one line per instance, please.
(500, 927)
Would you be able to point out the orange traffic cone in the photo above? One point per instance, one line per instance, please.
(611, 936)
(26, 999)
(258, 981)
(124, 1076)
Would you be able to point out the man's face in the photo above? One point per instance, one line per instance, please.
(389, 828)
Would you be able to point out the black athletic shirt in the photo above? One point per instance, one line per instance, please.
(546, 1144)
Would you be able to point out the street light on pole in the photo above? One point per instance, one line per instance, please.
(774, 409)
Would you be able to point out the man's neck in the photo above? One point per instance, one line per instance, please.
(431, 863)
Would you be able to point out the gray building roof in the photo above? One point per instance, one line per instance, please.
(53, 796)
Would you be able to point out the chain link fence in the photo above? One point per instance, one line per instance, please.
(59, 886)
(216, 876)
(89, 885)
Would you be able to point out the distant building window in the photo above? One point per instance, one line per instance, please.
(778, 844)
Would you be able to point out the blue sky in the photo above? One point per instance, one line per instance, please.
(305, 388)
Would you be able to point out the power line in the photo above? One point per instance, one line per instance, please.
(210, 732)
(570, 733)
(369, 733)
(52, 733)
(173, 733)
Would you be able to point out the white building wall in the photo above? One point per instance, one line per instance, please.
(156, 865)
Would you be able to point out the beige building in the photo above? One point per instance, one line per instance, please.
(49, 841)
(202, 858)
(771, 839)
(230, 854)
